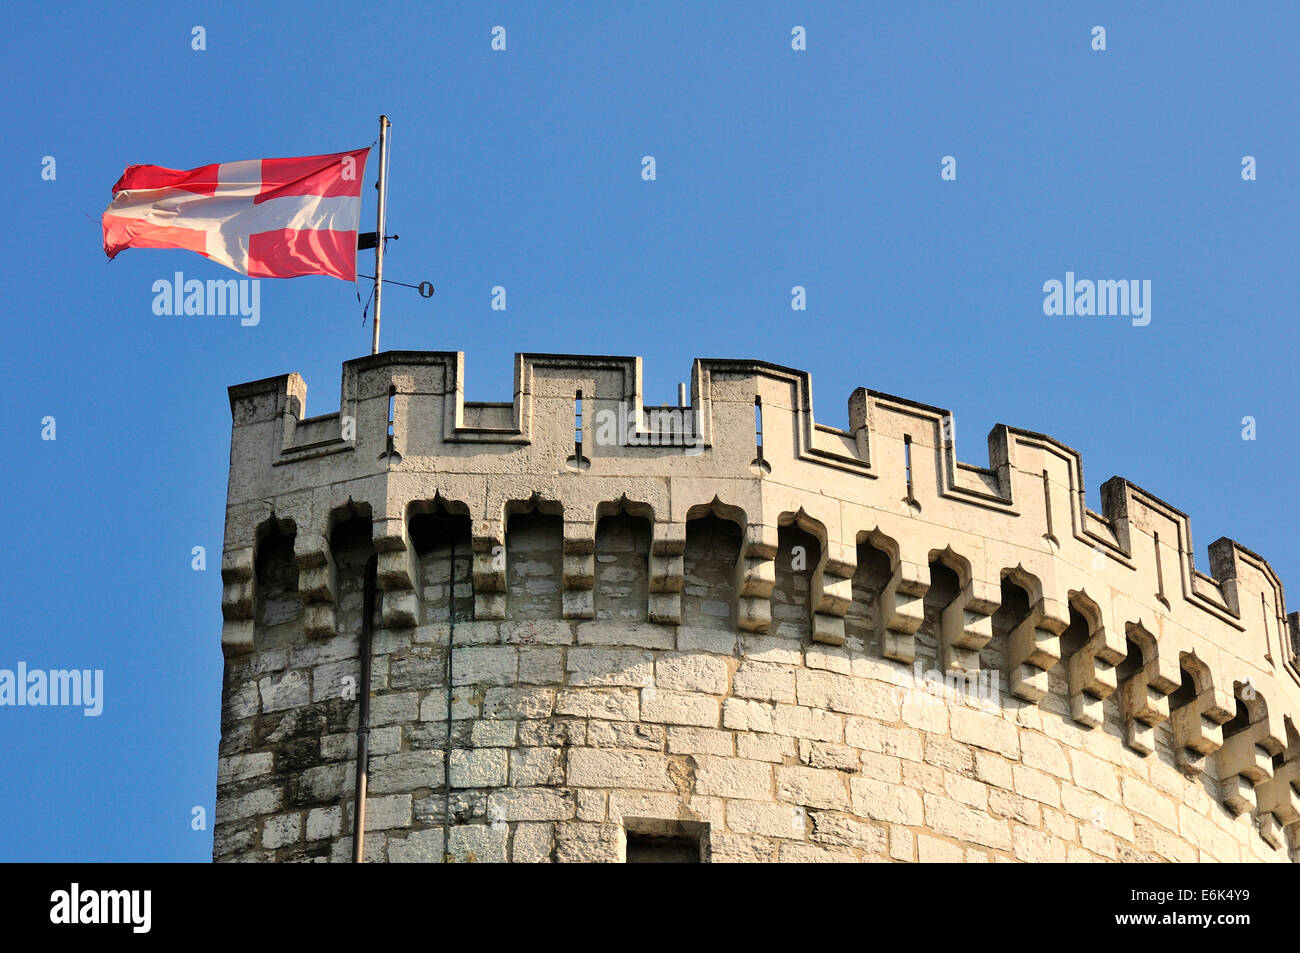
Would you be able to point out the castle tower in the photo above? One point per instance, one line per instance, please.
(725, 632)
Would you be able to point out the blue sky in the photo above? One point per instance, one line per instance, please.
(775, 168)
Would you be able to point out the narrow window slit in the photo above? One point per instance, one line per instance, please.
(1160, 573)
(578, 461)
(1268, 629)
(577, 425)
(907, 466)
(392, 415)
(1047, 503)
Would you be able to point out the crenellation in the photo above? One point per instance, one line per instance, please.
(770, 644)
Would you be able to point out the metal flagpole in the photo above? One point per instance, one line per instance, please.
(379, 227)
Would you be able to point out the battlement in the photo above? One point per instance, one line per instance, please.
(845, 540)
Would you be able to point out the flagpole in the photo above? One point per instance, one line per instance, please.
(379, 228)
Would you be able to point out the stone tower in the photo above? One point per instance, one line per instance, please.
(723, 631)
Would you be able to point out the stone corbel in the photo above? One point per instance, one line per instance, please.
(1243, 765)
(578, 592)
(901, 609)
(1246, 762)
(397, 576)
(1279, 802)
(1144, 700)
(966, 625)
(667, 572)
(1198, 728)
(831, 593)
(237, 600)
(1034, 647)
(756, 577)
(317, 584)
(1091, 671)
(489, 570)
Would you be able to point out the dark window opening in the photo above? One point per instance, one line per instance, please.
(652, 840)
(653, 849)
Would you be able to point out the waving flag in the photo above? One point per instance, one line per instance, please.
(266, 218)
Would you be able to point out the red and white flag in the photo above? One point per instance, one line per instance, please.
(266, 218)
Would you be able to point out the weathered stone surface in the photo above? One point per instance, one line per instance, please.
(764, 682)
(741, 849)
(393, 708)
(479, 768)
(262, 801)
(518, 703)
(679, 708)
(885, 802)
(241, 767)
(842, 830)
(734, 778)
(536, 766)
(290, 690)
(1036, 785)
(533, 844)
(485, 665)
(766, 818)
(689, 672)
(478, 843)
(417, 847)
(324, 822)
(493, 734)
(764, 747)
(960, 822)
(281, 831)
(700, 741)
(836, 692)
(985, 730)
(610, 667)
(531, 804)
(589, 843)
(1094, 774)
(405, 771)
(619, 705)
(541, 666)
(603, 768)
(625, 734)
(385, 813)
(812, 787)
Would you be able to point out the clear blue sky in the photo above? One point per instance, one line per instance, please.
(775, 168)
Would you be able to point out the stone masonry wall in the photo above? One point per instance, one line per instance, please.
(780, 654)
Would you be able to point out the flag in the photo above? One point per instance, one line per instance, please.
(266, 218)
